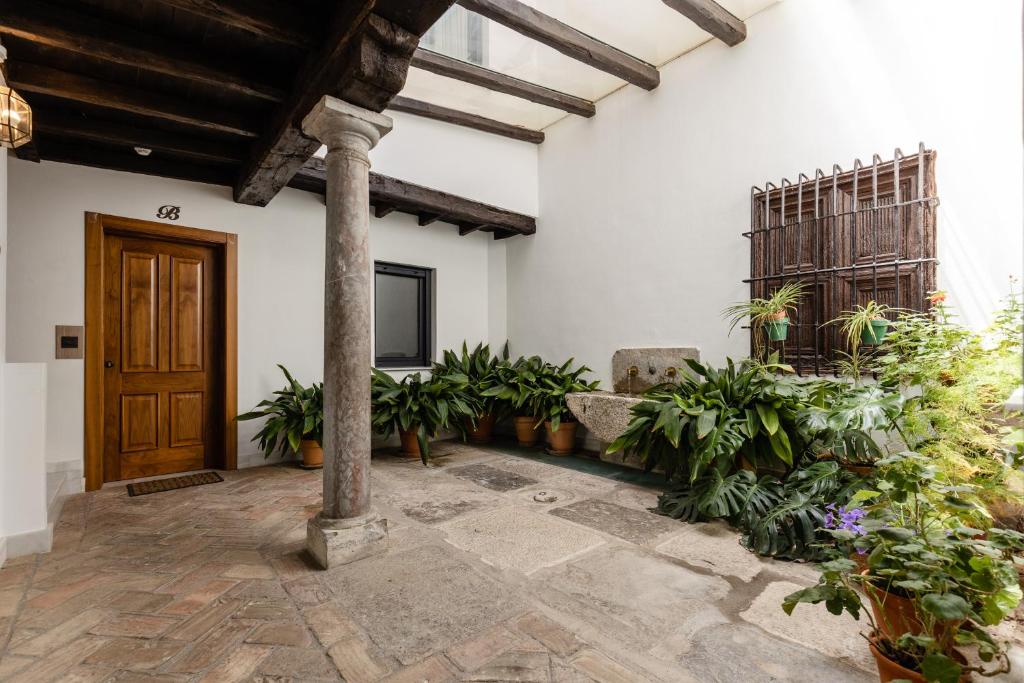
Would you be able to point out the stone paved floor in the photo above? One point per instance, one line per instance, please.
(502, 566)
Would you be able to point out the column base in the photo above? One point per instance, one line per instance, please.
(334, 542)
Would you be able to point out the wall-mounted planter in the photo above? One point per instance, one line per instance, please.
(778, 329)
(874, 334)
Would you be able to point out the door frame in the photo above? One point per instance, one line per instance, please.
(97, 227)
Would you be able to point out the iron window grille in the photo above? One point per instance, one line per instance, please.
(403, 315)
(850, 237)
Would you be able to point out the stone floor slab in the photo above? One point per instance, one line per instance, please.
(635, 526)
(514, 538)
(714, 547)
(420, 601)
(810, 625)
(492, 477)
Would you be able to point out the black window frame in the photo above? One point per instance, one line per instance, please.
(425, 314)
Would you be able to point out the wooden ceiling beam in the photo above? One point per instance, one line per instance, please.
(713, 18)
(357, 62)
(460, 118)
(569, 41)
(34, 78)
(443, 65)
(127, 137)
(380, 210)
(417, 200)
(425, 219)
(269, 20)
(44, 24)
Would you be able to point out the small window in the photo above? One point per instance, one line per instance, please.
(402, 315)
(460, 34)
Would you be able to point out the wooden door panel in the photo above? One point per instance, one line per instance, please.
(161, 327)
(140, 417)
(186, 419)
(186, 314)
(139, 314)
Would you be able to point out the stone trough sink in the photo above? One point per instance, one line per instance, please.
(603, 413)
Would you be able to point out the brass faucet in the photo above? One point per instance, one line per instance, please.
(633, 371)
(670, 372)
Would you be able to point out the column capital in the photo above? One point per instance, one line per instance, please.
(338, 124)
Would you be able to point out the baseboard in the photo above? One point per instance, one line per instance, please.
(29, 542)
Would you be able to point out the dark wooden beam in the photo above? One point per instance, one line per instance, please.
(713, 18)
(65, 29)
(28, 151)
(356, 62)
(269, 20)
(425, 219)
(467, 228)
(569, 41)
(34, 78)
(86, 154)
(415, 199)
(124, 136)
(460, 118)
(444, 65)
(380, 209)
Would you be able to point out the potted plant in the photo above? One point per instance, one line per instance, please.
(478, 371)
(418, 409)
(863, 326)
(768, 317)
(295, 420)
(517, 388)
(554, 382)
(932, 580)
(844, 430)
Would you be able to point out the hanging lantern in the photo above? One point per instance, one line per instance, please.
(15, 114)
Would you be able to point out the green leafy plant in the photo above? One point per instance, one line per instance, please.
(426, 406)
(517, 386)
(295, 414)
(919, 544)
(554, 382)
(761, 312)
(712, 418)
(845, 429)
(854, 325)
(477, 371)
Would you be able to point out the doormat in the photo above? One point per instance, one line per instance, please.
(156, 486)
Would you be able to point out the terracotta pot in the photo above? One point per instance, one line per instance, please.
(862, 470)
(860, 560)
(896, 615)
(526, 431)
(483, 431)
(562, 442)
(780, 315)
(410, 445)
(312, 454)
(889, 670)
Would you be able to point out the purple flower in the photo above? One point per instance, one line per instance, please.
(841, 518)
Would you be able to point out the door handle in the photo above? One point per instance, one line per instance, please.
(108, 363)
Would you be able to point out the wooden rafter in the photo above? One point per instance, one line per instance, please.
(34, 78)
(266, 19)
(44, 24)
(569, 41)
(444, 65)
(713, 18)
(419, 201)
(461, 118)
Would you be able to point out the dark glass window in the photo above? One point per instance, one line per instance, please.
(402, 315)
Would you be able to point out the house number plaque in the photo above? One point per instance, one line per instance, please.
(169, 212)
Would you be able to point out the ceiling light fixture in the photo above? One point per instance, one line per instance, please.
(15, 114)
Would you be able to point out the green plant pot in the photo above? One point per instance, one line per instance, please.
(875, 333)
(778, 330)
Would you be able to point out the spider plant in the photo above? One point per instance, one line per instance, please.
(768, 317)
(863, 326)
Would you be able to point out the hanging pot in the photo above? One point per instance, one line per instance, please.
(778, 328)
(874, 334)
(312, 454)
(526, 431)
(562, 441)
(483, 431)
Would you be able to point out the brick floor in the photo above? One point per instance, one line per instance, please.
(212, 584)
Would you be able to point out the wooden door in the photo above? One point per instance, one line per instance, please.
(162, 337)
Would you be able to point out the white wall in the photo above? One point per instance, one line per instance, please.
(281, 262)
(642, 206)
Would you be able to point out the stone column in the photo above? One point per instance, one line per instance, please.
(346, 529)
